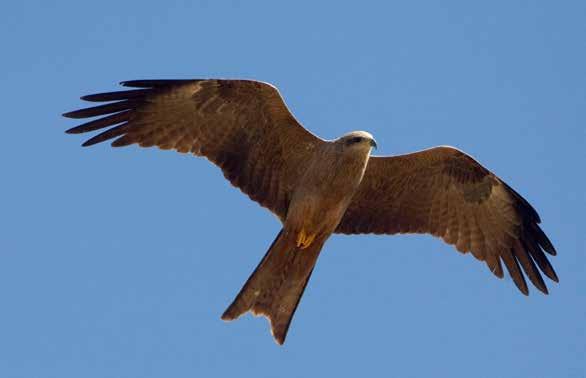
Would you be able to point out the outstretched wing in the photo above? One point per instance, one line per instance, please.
(242, 126)
(446, 193)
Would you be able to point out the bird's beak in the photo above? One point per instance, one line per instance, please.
(373, 143)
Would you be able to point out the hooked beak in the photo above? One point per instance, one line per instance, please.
(373, 143)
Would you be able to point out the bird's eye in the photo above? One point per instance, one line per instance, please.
(354, 140)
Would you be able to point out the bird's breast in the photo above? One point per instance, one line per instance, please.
(324, 193)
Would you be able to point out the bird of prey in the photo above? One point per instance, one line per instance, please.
(318, 187)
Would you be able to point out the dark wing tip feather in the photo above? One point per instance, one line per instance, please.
(106, 135)
(536, 253)
(123, 141)
(524, 205)
(116, 96)
(524, 259)
(117, 110)
(100, 110)
(101, 123)
(531, 245)
(515, 272)
(70, 114)
(533, 235)
(154, 83)
(543, 240)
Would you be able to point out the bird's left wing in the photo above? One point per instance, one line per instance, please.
(446, 193)
(242, 126)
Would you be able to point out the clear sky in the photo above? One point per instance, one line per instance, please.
(119, 263)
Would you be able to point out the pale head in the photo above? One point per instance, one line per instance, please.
(357, 140)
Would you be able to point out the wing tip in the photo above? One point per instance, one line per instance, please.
(524, 290)
(549, 248)
(72, 114)
(87, 97)
(150, 83)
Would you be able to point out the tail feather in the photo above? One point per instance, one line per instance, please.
(275, 287)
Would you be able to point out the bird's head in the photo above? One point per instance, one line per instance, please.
(357, 140)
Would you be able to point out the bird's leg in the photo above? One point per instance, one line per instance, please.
(304, 240)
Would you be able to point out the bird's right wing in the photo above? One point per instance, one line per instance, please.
(242, 126)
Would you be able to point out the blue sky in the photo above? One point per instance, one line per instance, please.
(119, 263)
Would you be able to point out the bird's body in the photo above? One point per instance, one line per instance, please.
(318, 187)
(318, 205)
(315, 211)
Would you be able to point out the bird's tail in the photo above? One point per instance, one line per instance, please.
(277, 284)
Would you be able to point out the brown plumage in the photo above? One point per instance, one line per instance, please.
(446, 193)
(319, 187)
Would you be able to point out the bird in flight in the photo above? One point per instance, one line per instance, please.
(318, 187)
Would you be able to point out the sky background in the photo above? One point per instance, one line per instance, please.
(119, 263)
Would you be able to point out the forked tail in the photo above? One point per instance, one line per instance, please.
(277, 284)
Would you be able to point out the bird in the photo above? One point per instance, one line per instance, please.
(319, 187)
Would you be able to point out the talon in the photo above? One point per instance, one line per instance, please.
(304, 240)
